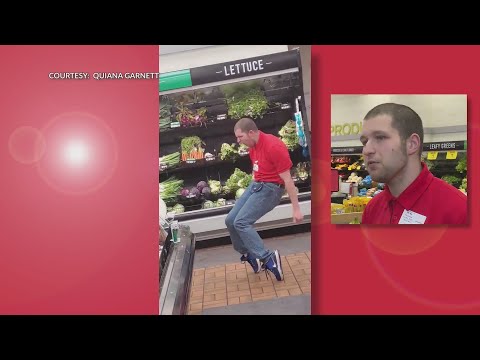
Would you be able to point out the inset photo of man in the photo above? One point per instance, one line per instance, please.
(401, 159)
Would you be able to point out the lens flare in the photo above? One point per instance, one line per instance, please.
(26, 145)
(81, 153)
(76, 153)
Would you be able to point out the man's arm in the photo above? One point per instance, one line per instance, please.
(292, 194)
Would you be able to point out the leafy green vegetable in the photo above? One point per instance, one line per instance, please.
(187, 117)
(232, 89)
(170, 188)
(215, 187)
(464, 184)
(165, 115)
(191, 143)
(452, 180)
(288, 135)
(208, 204)
(170, 159)
(302, 172)
(243, 149)
(430, 164)
(226, 190)
(228, 152)
(462, 165)
(238, 179)
(178, 209)
(251, 103)
(239, 193)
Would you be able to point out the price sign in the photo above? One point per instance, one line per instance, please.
(174, 125)
(191, 161)
(163, 167)
(432, 155)
(451, 155)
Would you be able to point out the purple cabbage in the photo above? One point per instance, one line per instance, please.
(201, 185)
(194, 191)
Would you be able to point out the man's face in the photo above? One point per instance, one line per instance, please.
(384, 152)
(245, 137)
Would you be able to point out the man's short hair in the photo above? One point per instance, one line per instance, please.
(404, 119)
(245, 125)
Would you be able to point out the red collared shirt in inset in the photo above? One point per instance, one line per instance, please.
(430, 197)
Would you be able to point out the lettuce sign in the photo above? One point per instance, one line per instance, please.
(353, 128)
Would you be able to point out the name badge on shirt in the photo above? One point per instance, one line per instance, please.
(411, 217)
(255, 166)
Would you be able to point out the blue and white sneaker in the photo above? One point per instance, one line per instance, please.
(255, 263)
(274, 265)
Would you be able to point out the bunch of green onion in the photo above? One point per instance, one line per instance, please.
(170, 188)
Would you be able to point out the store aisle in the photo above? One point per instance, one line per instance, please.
(223, 285)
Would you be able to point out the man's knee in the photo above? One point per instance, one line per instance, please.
(241, 224)
(229, 220)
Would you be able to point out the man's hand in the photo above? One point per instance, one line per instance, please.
(292, 194)
(297, 216)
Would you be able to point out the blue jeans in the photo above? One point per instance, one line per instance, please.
(257, 200)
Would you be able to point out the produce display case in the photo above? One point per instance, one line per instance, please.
(446, 160)
(345, 161)
(202, 170)
(176, 269)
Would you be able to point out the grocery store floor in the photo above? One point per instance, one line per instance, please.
(222, 285)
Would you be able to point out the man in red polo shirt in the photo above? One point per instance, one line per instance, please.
(392, 138)
(271, 177)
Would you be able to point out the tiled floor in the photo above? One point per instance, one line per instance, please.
(220, 255)
(235, 283)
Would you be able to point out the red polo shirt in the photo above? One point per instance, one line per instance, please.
(269, 157)
(428, 196)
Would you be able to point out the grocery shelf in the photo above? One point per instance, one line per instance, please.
(214, 128)
(201, 163)
(213, 226)
(196, 214)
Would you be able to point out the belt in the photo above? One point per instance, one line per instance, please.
(274, 183)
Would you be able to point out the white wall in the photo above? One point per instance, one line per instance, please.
(211, 54)
(444, 117)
